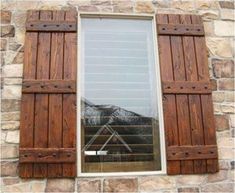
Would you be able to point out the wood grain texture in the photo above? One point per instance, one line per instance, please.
(206, 100)
(48, 118)
(187, 86)
(42, 103)
(49, 86)
(58, 25)
(27, 102)
(169, 101)
(69, 100)
(180, 29)
(48, 155)
(196, 153)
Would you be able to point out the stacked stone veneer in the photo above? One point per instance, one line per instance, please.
(218, 19)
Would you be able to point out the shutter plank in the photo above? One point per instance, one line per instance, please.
(27, 102)
(194, 100)
(55, 100)
(206, 100)
(42, 106)
(182, 99)
(69, 100)
(169, 104)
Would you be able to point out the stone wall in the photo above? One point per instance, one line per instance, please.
(218, 19)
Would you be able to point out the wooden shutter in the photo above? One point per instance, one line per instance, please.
(187, 101)
(48, 111)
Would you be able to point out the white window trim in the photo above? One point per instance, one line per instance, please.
(159, 96)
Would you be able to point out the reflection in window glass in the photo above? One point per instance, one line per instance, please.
(119, 126)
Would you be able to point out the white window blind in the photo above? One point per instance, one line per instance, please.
(118, 90)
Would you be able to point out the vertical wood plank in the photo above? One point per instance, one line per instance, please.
(181, 100)
(194, 100)
(206, 100)
(55, 100)
(169, 103)
(42, 108)
(69, 100)
(27, 102)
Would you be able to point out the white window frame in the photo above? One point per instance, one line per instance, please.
(159, 95)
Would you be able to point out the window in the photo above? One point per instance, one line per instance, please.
(120, 116)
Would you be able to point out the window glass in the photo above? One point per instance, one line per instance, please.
(119, 116)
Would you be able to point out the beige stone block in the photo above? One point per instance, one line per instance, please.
(14, 70)
(19, 18)
(209, 28)
(229, 108)
(3, 136)
(144, 7)
(221, 122)
(12, 81)
(224, 28)
(11, 92)
(217, 108)
(222, 134)
(24, 188)
(52, 5)
(155, 183)
(229, 96)
(227, 4)
(8, 31)
(101, 2)
(208, 15)
(161, 4)
(11, 180)
(13, 136)
(10, 105)
(60, 185)
(219, 47)
(232, 120)
(211, 4)
(218, 96)
(232, 175)
(120, 185)
(9, 56)
(89, 185)
(20, 35)
(224, 165)
(88, 8)
(28, 5)
(10, 116)
(9, 168)
(3, 44)
(123, 6)
(9, 151)
(226, 142)
(10, 125)
(226, 153)
(19, 58)
(38, 186)
(183, 5)
(5, 17)
(190, 179)
(227, 14)
(188, 190)
(107, 9)
(220, 188)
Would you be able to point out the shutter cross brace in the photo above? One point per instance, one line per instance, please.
(49, 86)
(51, 26)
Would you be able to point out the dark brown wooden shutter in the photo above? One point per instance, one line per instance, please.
(187, 101)
(48, 111)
